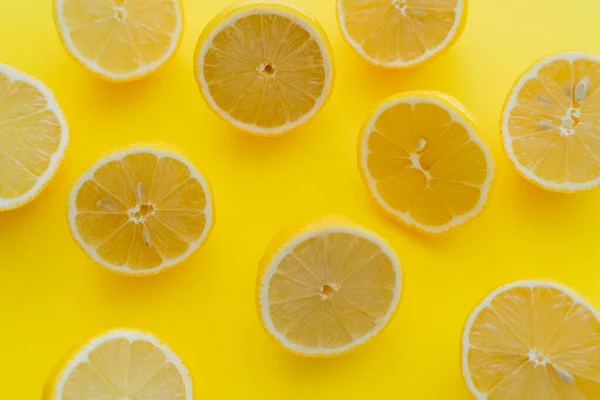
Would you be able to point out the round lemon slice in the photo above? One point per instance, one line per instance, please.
(327, 288)
(401, 33)
(551, 123)
(122, 364)
(120, 40)
(532, 340)
(141, 210)
(33, 137)
(423, 163)
(264, 67)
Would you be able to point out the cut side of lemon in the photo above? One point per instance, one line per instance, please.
(551, 123)
(33, 137)
(120, 40)
(532, 341)
(327, 288)
(401, 33)
(141, 210)
(423, 163)
(122, 364)
(264, 67)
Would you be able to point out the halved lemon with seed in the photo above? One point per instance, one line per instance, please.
(532, 340)
(122, 364)
(141, 210)
(120, 40)
(33, 137)
(328, 287)
(551, 123)
(265, 67)
(401, 33)
(423, 162)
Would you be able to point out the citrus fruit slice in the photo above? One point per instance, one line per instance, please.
(327, 288)
(423, 162)
(551, 123)
(120, 40)
(122, 364)
(401, 33)
(532, 341)
(141, 210)
(33, 137)
(264, 67)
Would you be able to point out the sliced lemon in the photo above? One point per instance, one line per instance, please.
(141, 210)
(327, 288)
(122, 364)
(532, 341)
(120, 40)
(423, 162)
(401, 33)
(264, 67)
(551, 123)
(33, 137)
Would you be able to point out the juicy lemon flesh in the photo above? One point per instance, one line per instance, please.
(535, 343)
(331, 290)
(121, 36)
(265, 70)
(554, 127)
(424, 163)
(120, 369)
(30, 134)
(141, 210)
(398, 30)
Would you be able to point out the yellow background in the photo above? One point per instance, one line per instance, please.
(52, 297)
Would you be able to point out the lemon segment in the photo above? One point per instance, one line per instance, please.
(423, 162)
(120, 40)
(532, 340)
(33, 137)
(122, 364)
(401, 33)
(551, 123)
(141, 210)
(264, 67)
(327, 288)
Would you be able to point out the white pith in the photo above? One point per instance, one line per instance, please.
(133, 336)
(487, 301)
(293, 15)
(94, 67)
(286, 249)
(459, 11)
(89, 174)
(56, 158)
(456, 116)
(512, 102)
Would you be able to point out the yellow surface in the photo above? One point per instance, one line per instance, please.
(53, 297)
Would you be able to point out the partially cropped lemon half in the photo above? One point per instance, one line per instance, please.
(327, 287)
(401, 33)
(120, 40)
(423, 162)
(121, 364)
(141, 210)
(265, 67)
(551, 123)
(532, 340)
(33, 137)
